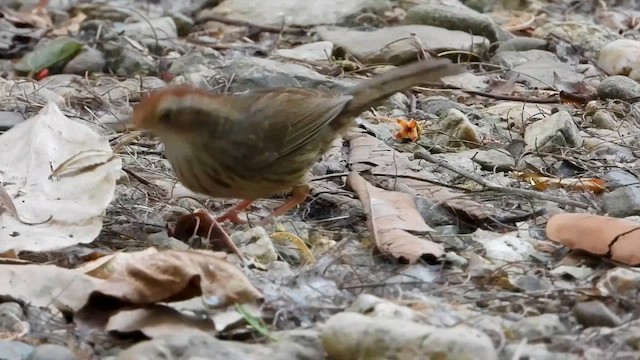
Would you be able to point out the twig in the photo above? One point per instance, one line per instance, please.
(492, 186)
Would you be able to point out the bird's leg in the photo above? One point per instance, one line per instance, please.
(232, 213)
(299, 194)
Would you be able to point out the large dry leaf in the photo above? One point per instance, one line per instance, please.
(391, 215)
(46, 285)
(169, 276)
(157, 320)
(368, 153)
(599, 235)
(105, 266)
(74, 204)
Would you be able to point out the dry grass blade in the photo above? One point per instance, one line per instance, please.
(7, 203)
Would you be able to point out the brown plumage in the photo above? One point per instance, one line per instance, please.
(264, 142)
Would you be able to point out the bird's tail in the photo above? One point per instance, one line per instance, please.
(372, 91)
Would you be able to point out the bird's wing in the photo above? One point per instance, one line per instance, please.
(264, 133)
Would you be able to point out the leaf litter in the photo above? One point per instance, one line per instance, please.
(390, 199)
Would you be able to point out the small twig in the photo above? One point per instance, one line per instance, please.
(492, 186)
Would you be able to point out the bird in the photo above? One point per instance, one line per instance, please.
(263, 142)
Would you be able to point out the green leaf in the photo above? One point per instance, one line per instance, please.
(46, 55)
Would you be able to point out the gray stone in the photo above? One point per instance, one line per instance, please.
(255, 242)
(618, 87)
(618, 178)
(622, 202)
(296, 12)
(522, 43)
(89, 60)
(535, 351)
(52, 352)
(595, 313)
(557, 130)
(315, 51)
(492, 159)
(161, 32)
(603, 119)
(355, 336)
(456, 18)
(589, 37)
(192, 345)
(455, 130)
(438, 104)
(536, 327)
(537, 67)
(394, 44)
(251, 73)
(15, 350)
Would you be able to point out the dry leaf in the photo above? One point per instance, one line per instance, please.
(107, 265)
(540, 182)
(391, 215)
(46, 285)
(71, 26)
(75, 204)
(599, 235)
(204, 225)
(169, 276)
(370, 154)
(157, 320)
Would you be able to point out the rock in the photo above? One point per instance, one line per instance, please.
(602, 119)
(197, 345)
(252, 73)
(52, 352)
(618, 87)
(595, 313)
(620, 282)
(492, 159)
(125, 60)
(10, 315)
(591, 38)
(354, 336)
(374, 306)
(535, 351)
(622, 202)
(11, 350)
(522, 43)
(557, 130)
(437, 105)
(458, 160)
(536, 67)
(455, 130)
(535, 327)
(316, 51)
(394, 45)
(620, 57)
(508, 248)
(620, 178)
(184, 23)
(456, 18)
(160, 32)
(89, 60)
(295, 12)
(255, 242)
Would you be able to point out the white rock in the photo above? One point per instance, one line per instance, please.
(317, 51)
(620, 57)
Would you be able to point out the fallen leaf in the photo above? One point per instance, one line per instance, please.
(391, 215)
(46, 286)
(74, 205)
(169, 276)
(204, 225)
(51, 54)
(598, 235)
(107, 265)
(540, 182)
(157, 320)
